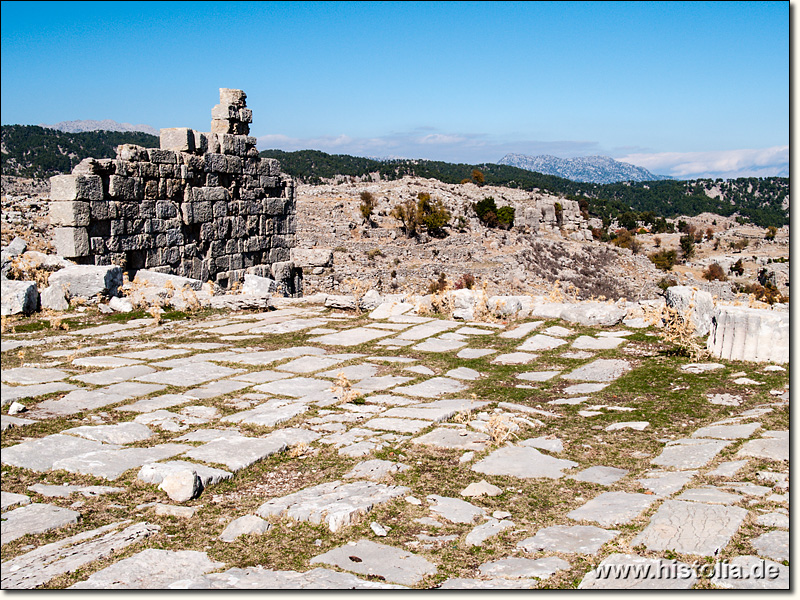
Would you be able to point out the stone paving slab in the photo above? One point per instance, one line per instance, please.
(369, 558)
(738, 574)
(575, 539)
(728, 468)
(32, 375)
(773, 544)
(769, 448)
(116, 375)
(352, 372)
(585, 388)
(334, 503)
(631, 572)
(259, 578)
(112, 463)
(268, 414)
(688, 453)
(666, 483)
(436, 411)
(237, 453)
(469, 353)
(455, 510)
(523, 462)
(709, 495)
(261, 376)
(727, 432)
(483, 532)
(397, 424)
(375, 470)
(65, 490)
(39, 566)
(121, 433)
(7, 422)
(9, 393)
(523, 568)
(351, 337)
(538, 376)
(540, 342)
(439, 345)
(433, 387)
(613, 508)
(691, 527)
(309, 364)
(586, 342)
(600, 475)
(41, 454)
(544, 443)
(156, 403)
(9, 499)
(520, 331)
(557, 331)
(35, 518)
(461, 439)
(379, 384)
(296, 387)
(428, 329)
(515, 358)
(156, 472)
(190, 375)
(150, 569)
(601, 370)
(154, 353)
(105, 362)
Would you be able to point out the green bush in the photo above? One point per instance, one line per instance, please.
(433, 214)
(492, 216)
(664, 260)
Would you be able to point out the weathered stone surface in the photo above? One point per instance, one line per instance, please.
(87, 281)
(538, 375)
(515, 358)
(189, 375)
(520, 461)
(773, 544)
(246, 525)
(454, 509)
(584, 388)
(709, 495)
(612, 508)
(750, 334)
(523, 568)
(540, 342)
(121, 433)
(334, 503)
(727, 432)
(351, 337)
(663, 483)
(686, 453)
(544, 443)
(41, 454)
(18, 297)
(240, 452)
(392, 564)
(112, 463)
(150, 569)
(35, 518)
(769, 448)
(697, 305)
(602, 369)
(593, 314)
(65, 491)
(575, 539)
(433, 387)
(11, 393)
(32, 375)
(631, 572)
(601, 475)
(454, 438)
(773, 519)
(691, 527)
(9, 499)
(483, 532)
(54, 297)
(586, 342)
(375, 470)
(481, 488)
(39, 566)
(259, 578)
(751, 573)
(637, 425)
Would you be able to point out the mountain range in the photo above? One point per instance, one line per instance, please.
(585, 169)
(104, 125)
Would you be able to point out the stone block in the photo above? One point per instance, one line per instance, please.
(87, 281)
(232, 96)
(121, 188)
(71, 242)
(132, 152)
(698, 305)
(162, 156)
(221, 126)
(160, 280)
(215, 163)
(99, 210)
(259, 285)
(70, 214)
(54, 298)
(179, 139)
(18, 297)
(64, 188)
(751, 334)
(245, 116)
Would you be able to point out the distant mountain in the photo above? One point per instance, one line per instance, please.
(586, 169)
(104, 125)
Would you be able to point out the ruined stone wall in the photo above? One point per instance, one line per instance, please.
(203, 205)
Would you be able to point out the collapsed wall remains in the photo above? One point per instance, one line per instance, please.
(203, 205)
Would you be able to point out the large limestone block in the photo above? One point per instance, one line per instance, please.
(180, 139)
(65, 188)
(698, 305)
(19, 297)
(161, 280)
(593, 314)
(312, 257)
(71, 242)
(69, 214)
(87, 281)
(751, 334)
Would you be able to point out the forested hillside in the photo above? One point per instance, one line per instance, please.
(32, 151)
(758, 200)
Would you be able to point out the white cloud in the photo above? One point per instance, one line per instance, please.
(760, 162)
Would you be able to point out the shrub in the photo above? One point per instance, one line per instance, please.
(467, 281)
(739, 245)
(433, 215)
(687, 246)
(559, 213)
(738, 268)
(374, 253)
(367, 205)
(477, 177)
(666, 282)
(491, 216)
(439, 285)
(407, 214)
(664, 259)
(714, 272)
(768, 293)
(771, 232)
(657, 241)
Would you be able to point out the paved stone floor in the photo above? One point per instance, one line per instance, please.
(318, 449)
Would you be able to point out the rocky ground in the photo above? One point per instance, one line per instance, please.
(307, 447)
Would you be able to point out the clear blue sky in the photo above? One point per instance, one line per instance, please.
(671, 86)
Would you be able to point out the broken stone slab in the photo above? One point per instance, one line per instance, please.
(613, 508)
(259, 578)
(540, 342)
(455, 510)
(481, 488)
(538, 376)
(439, 345)
(351, 337)
(41, 454)
(159, 280)
(728, 468)
(602, 370)
(773, 544)
(751, 573)
(259, 286)
(7, 421)
(18, 297)
(390, 309)
(32, 375)
(586, 342)
(600, 475)
(710, 495)
(636, 425)
(523, 462)
(575, 539)
(9, 499)
(334, 503)
(120, 433)
(35, 518)
(375, 470)
(469, 353)
(398, 424)
(544, 443)
(558, 331)
(631, 572)
(246, 525)
(483, 532)
(156, 473)
(593, 314)
(116, 375)
(454, 439)
(523, 568)
(112, 463)
(151, 569)
(727, 432)
(296, 387)
(237, 453)
(65, 491)
(666, 483)
(12, 393)
(584, 388)
(463, 373)
(88, 281)
(436, 411)
(691, 528)
(688, 453)
(268, 414)
(370, 558)
(749, 334)
(39, 566)
(768, 448)
(725, 399)
(698, 368)
(748, 489)
(433, 387)
(189, 375)
(170, 510)
(697, 305)
(773, 519)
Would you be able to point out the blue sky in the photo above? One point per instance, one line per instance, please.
(683, 89)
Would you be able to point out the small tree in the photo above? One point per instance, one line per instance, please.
(738, 268)
(432, 214)
(714, 272)
(407, 214)
(687, 246)
(367, 205)
(477, 177)
(771, 233)
(664, 260)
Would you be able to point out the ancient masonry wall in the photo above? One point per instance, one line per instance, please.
(203, 205)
